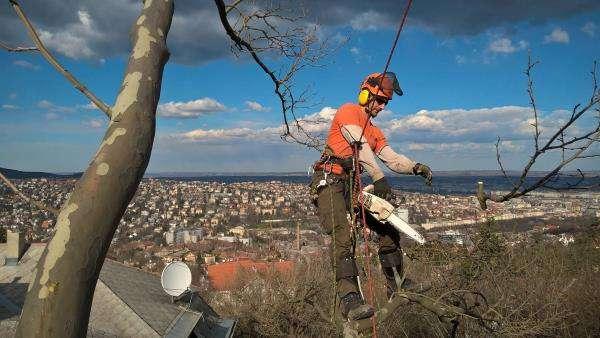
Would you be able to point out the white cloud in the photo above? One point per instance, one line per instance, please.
(558, 35)
(94, 123)
(316, 123)
(26, 64)
(505, 45)
(369, 21)
(190, 109)
(461, 125)
(89, 106)
(255, 106)
(10, 107)
(52, 116)
(219, 136)
(460, 59)
(49, 106)
(360, 55)
(74, 39)
(589, 28)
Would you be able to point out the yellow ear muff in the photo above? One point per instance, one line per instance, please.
(363, 97)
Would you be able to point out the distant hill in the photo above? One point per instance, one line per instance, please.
(17, 174)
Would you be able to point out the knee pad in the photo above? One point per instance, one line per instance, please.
(390, 259)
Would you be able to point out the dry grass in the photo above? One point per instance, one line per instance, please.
(539, 288)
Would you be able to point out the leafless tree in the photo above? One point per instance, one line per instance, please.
(275, 30)
(566, 140)
(60, 295)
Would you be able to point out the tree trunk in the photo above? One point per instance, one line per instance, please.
(59, 298)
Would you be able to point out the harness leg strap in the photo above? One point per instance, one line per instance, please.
(346, 268)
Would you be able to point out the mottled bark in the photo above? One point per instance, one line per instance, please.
(60, 296)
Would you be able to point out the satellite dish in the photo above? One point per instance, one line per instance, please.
(176, 278)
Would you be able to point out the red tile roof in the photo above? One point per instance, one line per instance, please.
(223, 276)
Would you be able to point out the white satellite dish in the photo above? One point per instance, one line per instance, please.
(176, 278)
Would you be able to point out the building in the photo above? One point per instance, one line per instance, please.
(223, 276)
(128, 302)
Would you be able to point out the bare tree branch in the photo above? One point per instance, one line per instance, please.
(500, 162)
(445, 312)
(52, 60)
(37, 204)
(17, 49)
(571, 150)
(270, 31)
(530, 66)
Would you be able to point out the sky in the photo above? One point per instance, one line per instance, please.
(460, 64)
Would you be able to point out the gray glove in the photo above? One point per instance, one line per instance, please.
(423, 170)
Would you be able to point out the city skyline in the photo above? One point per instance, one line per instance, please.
(463, 81)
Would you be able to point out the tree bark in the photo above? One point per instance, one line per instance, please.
(59, 297)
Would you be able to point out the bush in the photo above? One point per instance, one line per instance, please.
(538, 287)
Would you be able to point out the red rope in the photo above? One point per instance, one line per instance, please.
(358, 200)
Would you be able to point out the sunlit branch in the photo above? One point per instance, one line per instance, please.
(52, 60)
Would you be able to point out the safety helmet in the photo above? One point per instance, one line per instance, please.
(381, 85)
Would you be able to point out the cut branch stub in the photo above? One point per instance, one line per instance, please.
(481, 196)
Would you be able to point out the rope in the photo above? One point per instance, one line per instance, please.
(357, 188)
(334, 258)
(389, 59)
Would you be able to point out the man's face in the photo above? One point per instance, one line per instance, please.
(376, 105)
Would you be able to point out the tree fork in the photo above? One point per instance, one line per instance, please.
(59, 297)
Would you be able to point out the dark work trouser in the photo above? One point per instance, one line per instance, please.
(333, 204)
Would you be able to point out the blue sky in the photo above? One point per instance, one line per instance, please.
(461, 68)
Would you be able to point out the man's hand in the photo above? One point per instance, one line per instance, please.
(382, 189)
(423, 170)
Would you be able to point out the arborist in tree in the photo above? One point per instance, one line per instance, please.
(352, 131)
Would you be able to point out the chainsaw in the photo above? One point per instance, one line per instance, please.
(385, 212)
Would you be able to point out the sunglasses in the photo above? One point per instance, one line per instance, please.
(381, 100)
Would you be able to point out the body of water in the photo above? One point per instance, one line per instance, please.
(445, 185)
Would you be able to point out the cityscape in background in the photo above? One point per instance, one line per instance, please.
(210, 222)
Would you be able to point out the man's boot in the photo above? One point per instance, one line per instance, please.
(354, 308)
(352, 305)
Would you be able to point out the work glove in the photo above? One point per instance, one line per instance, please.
(423, 170)
(382, 189)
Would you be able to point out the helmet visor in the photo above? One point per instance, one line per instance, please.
(388, 81)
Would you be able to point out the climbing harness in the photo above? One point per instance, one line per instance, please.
(356, 206)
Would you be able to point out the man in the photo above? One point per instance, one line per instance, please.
(352, 126)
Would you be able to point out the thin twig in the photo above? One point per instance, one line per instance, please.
(50, 58)
(38, 204)
(577, 151)
(532, 99)
(257, 32)
(500, 163)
